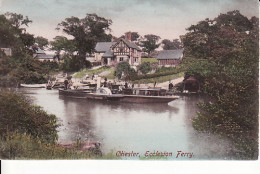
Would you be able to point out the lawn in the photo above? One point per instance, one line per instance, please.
(82, 74)
(160, 79)
(150, 60)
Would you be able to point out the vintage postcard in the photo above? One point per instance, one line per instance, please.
(169, 80)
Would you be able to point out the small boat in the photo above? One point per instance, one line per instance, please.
(33, 85)
(137, 95)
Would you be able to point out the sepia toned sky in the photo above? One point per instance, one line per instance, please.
(166, 18)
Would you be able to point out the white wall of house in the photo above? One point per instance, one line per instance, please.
(122, 58)
(98, 56)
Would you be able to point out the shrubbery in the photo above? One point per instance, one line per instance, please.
(123, 70)
(145, 67)
(17, 115)
(163, 73)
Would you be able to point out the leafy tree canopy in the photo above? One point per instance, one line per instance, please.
(171, 45)
(223, 54)
(86, 31)
(150, 43)
(42, 42)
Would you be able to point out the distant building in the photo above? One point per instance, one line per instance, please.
(170, 57)
(42, 56)
(7, 51)
(111, 53)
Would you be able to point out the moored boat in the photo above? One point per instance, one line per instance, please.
(76, 93)
(33, 85)
(138, 95)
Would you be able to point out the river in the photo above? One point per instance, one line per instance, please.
(134, 128)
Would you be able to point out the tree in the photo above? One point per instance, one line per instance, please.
(61, 43)
(134, 35)
(228, 48)
(86, 32)
(42, 42)
(145, 67)
(171, 45)
(123, 70)
(13, 31)
(150, 43)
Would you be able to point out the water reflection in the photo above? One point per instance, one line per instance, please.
(133, 127)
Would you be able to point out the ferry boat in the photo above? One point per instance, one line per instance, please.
(136, 95)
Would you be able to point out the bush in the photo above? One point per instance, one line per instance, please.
(123, 70)
(148, 76)
(23, 146)
(74, 63)
(17, 115)
(145, 67)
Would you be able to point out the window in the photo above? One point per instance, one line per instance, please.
(121, 59)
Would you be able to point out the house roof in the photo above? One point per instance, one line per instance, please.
(108, 53)
(131, 44)
(103, 46)
(170, 54)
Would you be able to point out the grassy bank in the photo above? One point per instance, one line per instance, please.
(160, 79)
(83, 73)
(150, 60)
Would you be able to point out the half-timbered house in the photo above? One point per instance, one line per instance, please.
(111, 53)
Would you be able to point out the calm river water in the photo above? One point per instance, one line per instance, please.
(136, 128)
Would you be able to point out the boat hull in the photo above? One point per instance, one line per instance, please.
(132, 98)
(74, 93)
(147, 99)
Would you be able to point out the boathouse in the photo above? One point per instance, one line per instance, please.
(170, 57)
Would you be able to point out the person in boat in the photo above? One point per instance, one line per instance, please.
(66, 83)
(170, 86)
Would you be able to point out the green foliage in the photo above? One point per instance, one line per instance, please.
(150, 43)
(72, 63)
(150, 60)
(159, 79)
(61, 43)
(171, 45)
(17, 115)
(123, 70)
(86, 32)
(155, 75)
(82, 74)
(145, 68)
(24, 146)
(42, 42)
(229, 74)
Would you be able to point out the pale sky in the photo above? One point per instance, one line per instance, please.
(165, 18)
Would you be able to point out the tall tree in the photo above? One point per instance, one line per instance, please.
(227, 48)
(171, 45)
(86, 32)
(13, 31)
(150, 43)
(61, 43)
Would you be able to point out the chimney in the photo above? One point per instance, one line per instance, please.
(128, 36)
